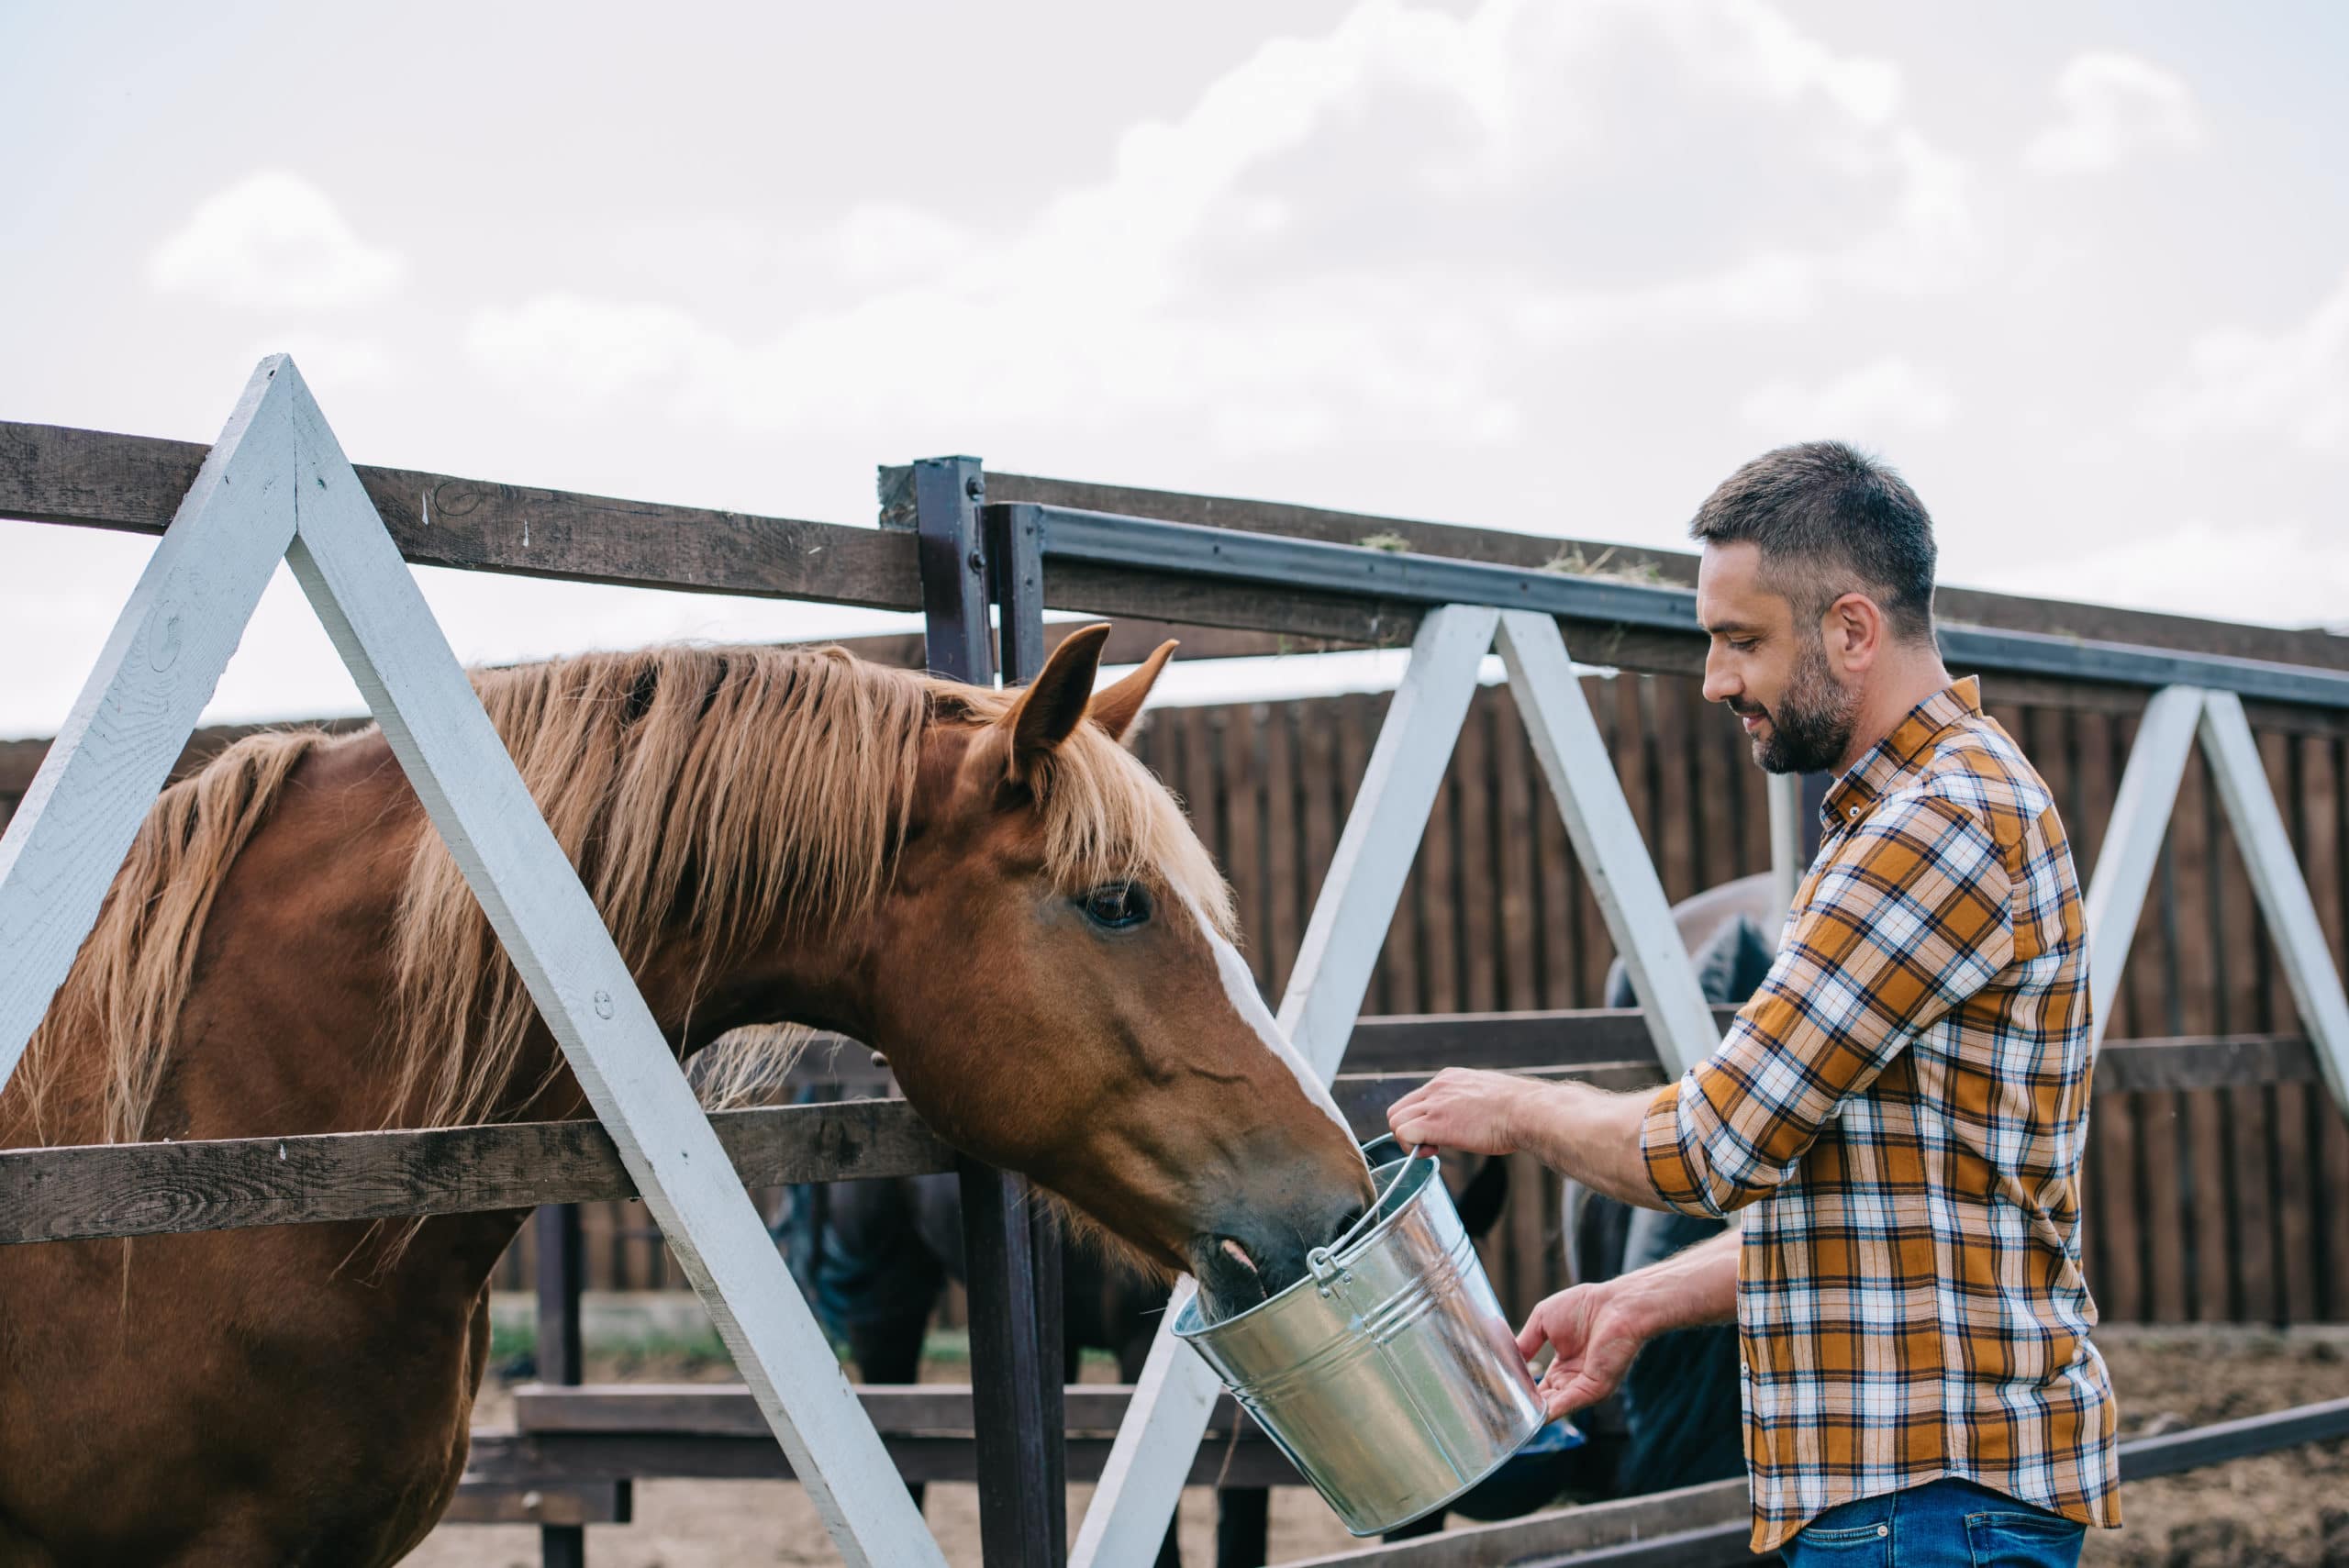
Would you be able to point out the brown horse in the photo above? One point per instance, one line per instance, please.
(985, 885)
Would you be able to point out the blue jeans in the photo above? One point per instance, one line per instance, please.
(1943, 1524)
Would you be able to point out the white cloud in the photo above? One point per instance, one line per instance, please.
(1887, 396)
(2294, 382)
(1239, 277)
(2113, 106)
(273, 241)
(579, 350)
(2202, 568)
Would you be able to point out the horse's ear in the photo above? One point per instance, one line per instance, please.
(1116, 708)
(1052, 706)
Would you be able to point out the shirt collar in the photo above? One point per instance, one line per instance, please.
(1892, 759)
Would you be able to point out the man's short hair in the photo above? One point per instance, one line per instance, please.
(1830, 521)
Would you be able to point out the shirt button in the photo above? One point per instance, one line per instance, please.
(1854, 813)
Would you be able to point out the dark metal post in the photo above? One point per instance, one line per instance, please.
(1022, 1511)
(558, 1353)
(951, 554)
(1016, 556)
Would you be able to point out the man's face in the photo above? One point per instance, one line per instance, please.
(1770, 667)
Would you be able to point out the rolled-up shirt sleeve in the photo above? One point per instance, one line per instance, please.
(1908, 919)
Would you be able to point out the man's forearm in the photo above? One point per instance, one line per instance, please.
(1695, 1285)
(1587, 1134)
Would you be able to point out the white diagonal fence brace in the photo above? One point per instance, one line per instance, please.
(279, 484)
(2174, 718)
(1143, 1481)
(2132, 841)
(2282, 891)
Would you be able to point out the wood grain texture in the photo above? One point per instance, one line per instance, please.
(51, 473)
(55, 473)
(145, 1189)
(561, 1505)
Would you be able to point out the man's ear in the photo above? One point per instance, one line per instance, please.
(1853, 631)
(1052, 706)
(1115, 708)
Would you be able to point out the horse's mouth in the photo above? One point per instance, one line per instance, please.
(1231, 1281)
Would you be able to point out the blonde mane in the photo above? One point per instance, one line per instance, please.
(723, 795)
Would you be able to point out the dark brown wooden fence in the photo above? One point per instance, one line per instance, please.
(2204, 1204)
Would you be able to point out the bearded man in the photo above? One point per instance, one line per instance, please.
(1900, 1111)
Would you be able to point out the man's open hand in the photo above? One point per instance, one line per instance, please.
(1465, 1108)
(1596, 1338)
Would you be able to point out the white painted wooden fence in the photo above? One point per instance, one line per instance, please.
(277, 485)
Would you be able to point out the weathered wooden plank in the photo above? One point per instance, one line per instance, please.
(1688, 1525)
(1283, 836)
(54, 473)
(1520, 911)
(1475, 877)
(727, 1409)
(1239, 761)
(522, 1460)
(143, 1189)
(563, 1506)
(51, 473)
(2201, 1171)
(551, 1458)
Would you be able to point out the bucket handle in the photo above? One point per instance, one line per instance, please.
(1322, 1261)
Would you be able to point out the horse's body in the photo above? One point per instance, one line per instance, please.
(982, 885)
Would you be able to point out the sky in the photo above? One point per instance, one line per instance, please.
(2081, 272)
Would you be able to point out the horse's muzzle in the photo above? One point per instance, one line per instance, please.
(1252, 1254)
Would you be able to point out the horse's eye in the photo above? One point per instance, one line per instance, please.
(1118, 906)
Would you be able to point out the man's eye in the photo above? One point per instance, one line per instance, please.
(1740, 644)
(1116, 907)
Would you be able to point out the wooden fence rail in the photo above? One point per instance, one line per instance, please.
(147, 1189)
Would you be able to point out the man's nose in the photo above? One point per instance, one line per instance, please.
(1720, 684)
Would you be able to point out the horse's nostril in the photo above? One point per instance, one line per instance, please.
(1346, 1222)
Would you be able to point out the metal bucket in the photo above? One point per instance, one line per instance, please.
(1387, 1375)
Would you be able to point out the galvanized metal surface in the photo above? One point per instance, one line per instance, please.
(1100, 538)
(1388, 1374)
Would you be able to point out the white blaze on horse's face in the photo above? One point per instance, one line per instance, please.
(1240, 986)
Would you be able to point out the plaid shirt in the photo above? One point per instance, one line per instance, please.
(1910, 1092)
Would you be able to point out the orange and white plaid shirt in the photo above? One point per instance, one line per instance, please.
(1905, 1103)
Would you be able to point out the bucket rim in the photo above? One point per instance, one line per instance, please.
(1355, 1241)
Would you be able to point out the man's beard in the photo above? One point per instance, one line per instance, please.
(1810, 730)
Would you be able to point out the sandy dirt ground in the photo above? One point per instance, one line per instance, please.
(2283, 1510)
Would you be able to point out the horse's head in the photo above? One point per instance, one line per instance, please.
(1053, 977)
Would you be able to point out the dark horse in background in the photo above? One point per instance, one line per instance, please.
(875, 1256)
